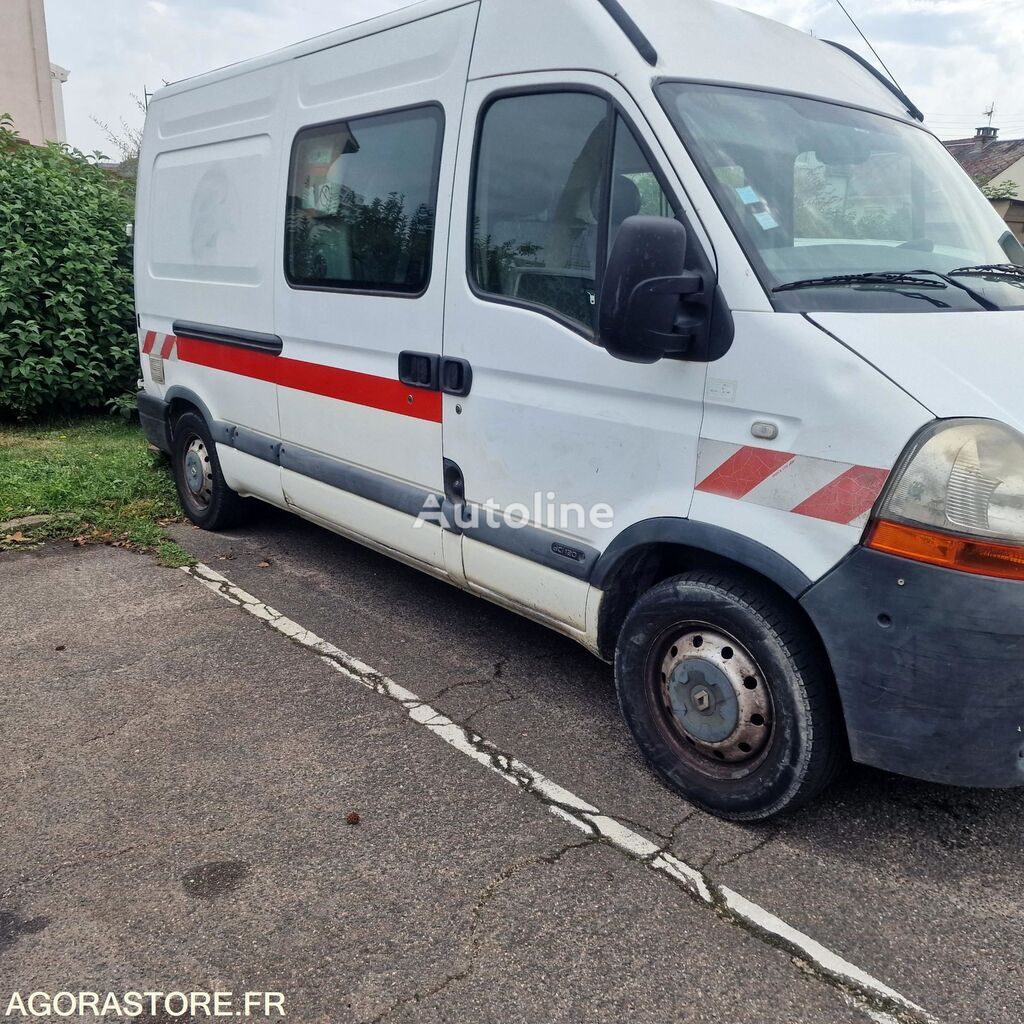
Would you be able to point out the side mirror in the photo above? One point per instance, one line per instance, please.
(652, 307)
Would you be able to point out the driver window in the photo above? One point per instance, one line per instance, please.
(635, 187)
(544, 210)
(536, 216)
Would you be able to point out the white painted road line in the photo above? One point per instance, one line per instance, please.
(876, 999)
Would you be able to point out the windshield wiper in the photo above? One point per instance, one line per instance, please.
(977, 296)
(894, 281)
(994, 270)
(875, 277)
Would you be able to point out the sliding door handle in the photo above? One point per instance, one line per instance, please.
(418, 369)
(435, 373)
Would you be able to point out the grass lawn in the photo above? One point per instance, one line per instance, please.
(97, 481)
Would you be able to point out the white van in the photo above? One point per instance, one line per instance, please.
(662, 324)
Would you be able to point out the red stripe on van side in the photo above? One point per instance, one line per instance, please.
(150, 341)
(847, 497)
(168, 346)
(383, 393)
(742, 472)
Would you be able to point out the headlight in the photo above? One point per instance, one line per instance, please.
(956, 498)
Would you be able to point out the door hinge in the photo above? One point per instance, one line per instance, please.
(454, 496)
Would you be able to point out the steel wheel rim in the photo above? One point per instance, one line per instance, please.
(197, 473)
(712, 699)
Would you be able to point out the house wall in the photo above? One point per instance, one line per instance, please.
(26, 87)
(1012, 211)
(1014, 173)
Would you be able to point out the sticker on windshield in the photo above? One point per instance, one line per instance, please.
(766, 220)
(748, 195)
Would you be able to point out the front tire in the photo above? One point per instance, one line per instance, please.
(204, 494)
(729, 697)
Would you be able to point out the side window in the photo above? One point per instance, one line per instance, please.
(362, 196)
(536, 212)
(635, 187)
(556, 175)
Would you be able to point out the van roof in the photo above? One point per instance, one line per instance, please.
(699, 40)
(356, 30)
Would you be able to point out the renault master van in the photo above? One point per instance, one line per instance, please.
(660, 323)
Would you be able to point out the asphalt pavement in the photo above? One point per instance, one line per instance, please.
(195, 799)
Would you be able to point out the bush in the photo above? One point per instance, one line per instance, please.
(1004, 190)
(67, 324)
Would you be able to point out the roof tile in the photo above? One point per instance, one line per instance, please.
(983, 160)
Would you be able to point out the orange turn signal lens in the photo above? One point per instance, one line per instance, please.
(983, 558)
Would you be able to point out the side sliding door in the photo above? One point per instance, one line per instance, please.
(372, 133)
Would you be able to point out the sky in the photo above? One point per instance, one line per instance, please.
(953, 57)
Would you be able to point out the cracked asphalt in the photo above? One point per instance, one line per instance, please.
(177, 781)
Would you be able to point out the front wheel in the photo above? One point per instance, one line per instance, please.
(728, 696)
(205, 496)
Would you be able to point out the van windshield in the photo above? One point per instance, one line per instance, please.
(842, 209)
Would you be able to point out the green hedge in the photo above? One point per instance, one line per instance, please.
(67, 330)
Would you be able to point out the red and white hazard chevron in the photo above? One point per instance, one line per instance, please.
(838, 492)
(161, 345)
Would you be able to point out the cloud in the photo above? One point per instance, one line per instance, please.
(952, 56)
(116, 48)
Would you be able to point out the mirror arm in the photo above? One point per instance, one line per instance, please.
(675, 344)
(689, 286)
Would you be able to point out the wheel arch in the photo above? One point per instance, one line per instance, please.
(650, 551)
(181, 400)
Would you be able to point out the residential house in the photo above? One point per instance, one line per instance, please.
(999, 165)
(30, 86)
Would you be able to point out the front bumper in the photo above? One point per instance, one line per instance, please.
(930, 667)
(153, 415)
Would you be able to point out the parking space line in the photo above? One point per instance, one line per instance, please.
(877, 1000)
